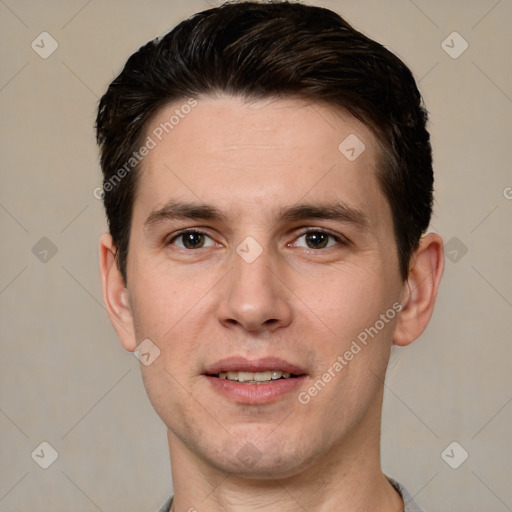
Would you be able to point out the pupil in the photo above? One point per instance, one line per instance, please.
(193, 240)
(317, 240)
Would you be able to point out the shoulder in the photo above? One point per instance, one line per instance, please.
(409, 504)
(165, 507)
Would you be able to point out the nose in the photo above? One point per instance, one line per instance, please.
(255, 297)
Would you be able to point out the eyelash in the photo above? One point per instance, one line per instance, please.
(340, 240)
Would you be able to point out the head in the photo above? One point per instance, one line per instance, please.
(296, 150)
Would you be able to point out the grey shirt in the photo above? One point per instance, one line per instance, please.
(410, 505)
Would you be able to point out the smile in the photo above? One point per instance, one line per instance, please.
(255, 378)
(255, 382)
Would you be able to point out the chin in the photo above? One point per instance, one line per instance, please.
(275, 467)
(246, 457)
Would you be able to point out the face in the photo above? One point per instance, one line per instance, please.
(261, 247)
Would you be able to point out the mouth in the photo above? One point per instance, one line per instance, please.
(259, 381)
(255, 377)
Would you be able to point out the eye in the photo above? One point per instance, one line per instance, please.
(316, 239)
(191, 239)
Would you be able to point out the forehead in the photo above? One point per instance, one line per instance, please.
(240, 155)
(271, 126)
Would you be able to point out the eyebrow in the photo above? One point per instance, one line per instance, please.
(180, 210)
(338, 211)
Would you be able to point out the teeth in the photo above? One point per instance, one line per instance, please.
(261, 376)
(246, 376)
(257, 377)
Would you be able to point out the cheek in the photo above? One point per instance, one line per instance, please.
(164, 298)
(170, 308)
(344, 300)
(167, 393)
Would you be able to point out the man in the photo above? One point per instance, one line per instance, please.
(268, 183)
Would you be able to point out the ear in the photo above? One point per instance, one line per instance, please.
(420, 289)
(115, 294)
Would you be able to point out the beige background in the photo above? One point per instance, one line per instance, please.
(66, 380)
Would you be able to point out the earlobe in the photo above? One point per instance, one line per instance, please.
(115, 294)
(420, 290)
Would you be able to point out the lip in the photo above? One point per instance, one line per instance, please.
(254, 394)
(242, 364)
